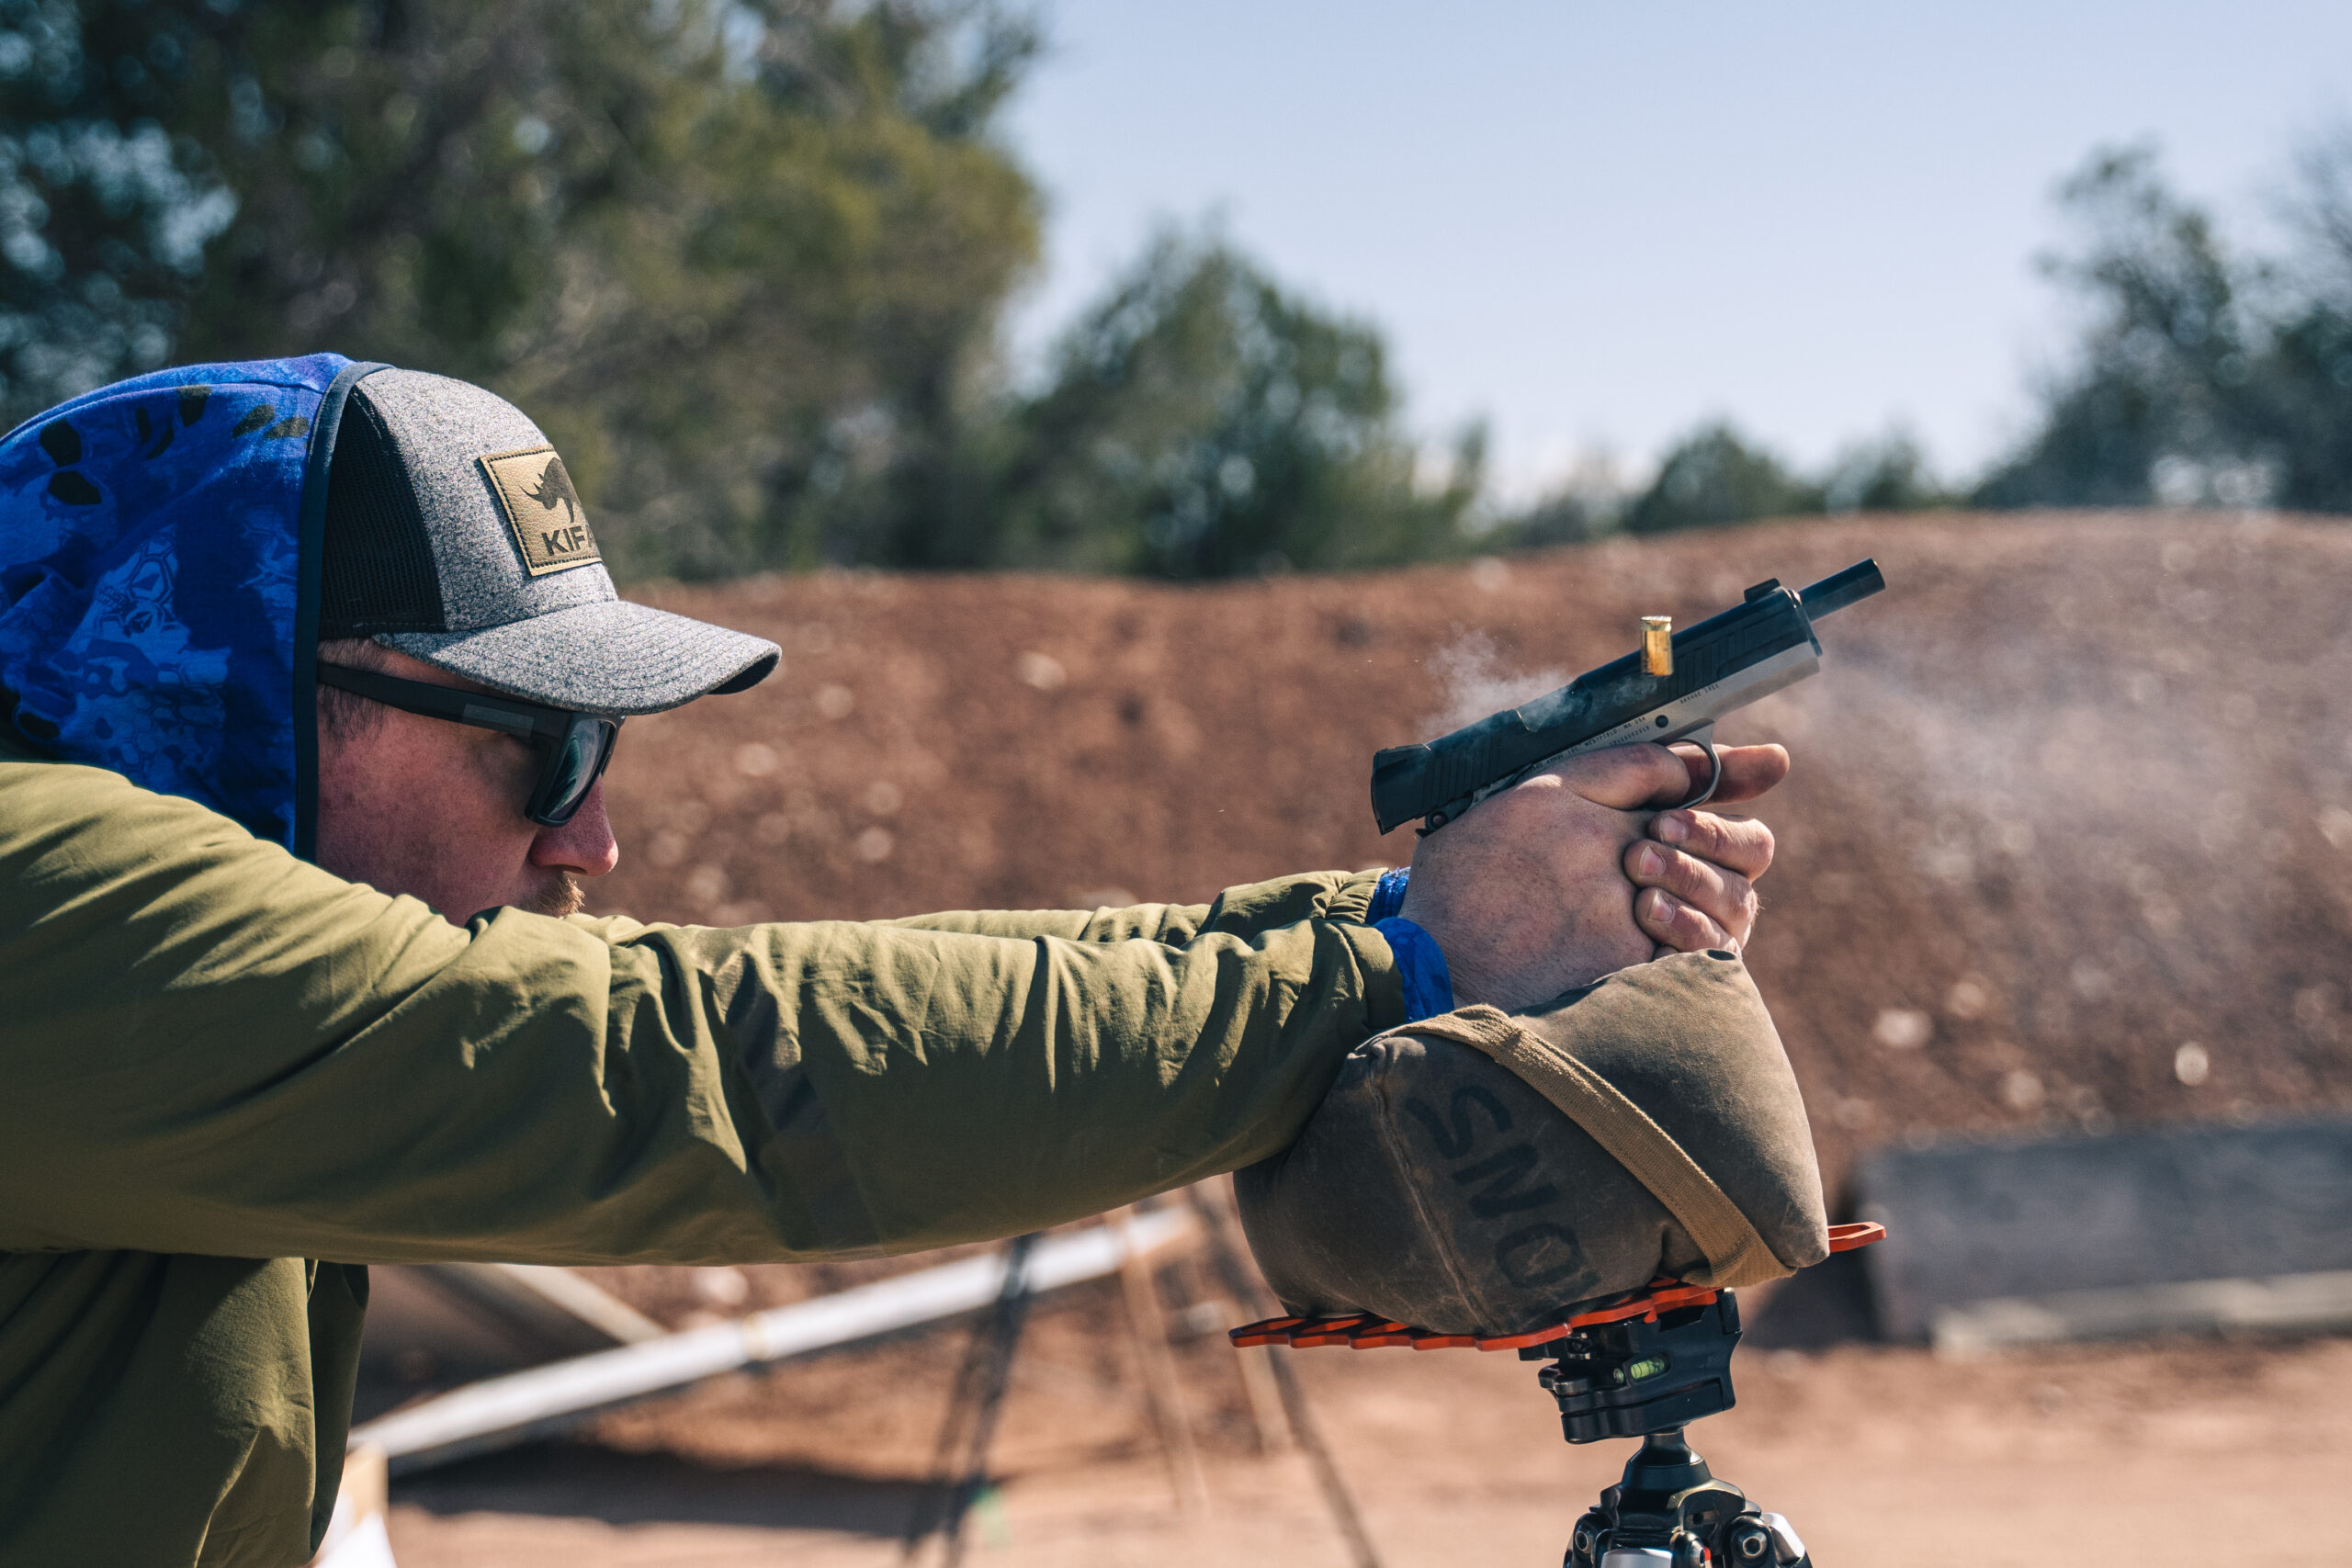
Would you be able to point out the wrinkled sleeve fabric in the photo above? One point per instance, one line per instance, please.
(212, 1047)
(1239, 911)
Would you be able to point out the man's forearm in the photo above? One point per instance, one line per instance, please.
(215, 1049)
(997, 1083)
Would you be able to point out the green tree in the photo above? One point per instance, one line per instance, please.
(743, 258)
(2202, 376)
(105, 213)
(1889, 474)
(1588, 502)
(2302, 398)
(2167, 344)
(1201, 422)
(1712, 477)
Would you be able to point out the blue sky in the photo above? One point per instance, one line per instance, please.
(1596, 226)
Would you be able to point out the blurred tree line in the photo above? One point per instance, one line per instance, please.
(1715, 476)
(2201, 377)
(2204, 376)
(747, 262)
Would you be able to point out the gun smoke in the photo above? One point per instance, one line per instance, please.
(2092, 808)
(1474, 679)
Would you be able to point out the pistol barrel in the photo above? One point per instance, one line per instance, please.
(1840, 588)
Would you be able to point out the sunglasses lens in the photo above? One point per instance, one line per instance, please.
(573, 769)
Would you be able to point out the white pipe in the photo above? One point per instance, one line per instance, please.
(503, 1410)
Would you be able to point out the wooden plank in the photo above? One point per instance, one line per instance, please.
(1977, 1222)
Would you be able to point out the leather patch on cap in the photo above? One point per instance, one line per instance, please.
(551, 526)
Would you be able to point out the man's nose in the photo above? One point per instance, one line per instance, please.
(583, 846)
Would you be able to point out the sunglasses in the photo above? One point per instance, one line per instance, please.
(573, 746)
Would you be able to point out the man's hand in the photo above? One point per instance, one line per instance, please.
(1532, 892)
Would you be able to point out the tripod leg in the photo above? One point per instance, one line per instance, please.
(1014, 1317)
(1147, 1327)
(974, 1404)
(1240, 1280)
(1341, 1501)
(932, 1500)
(1254, 1361)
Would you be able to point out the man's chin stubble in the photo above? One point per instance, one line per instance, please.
(559, 897)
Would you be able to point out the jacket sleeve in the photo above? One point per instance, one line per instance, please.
(209, 1046)
(1238, 911)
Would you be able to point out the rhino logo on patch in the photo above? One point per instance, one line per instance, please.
(554, 490)
(542, 510)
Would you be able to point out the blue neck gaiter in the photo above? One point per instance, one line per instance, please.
(159, 565)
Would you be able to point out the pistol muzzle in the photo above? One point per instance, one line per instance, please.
(1840, 588)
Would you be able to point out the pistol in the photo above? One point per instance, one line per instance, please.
(1675, 688)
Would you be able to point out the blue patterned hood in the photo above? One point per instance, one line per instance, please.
(158, 571)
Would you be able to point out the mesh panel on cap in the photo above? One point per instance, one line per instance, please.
(377, 574)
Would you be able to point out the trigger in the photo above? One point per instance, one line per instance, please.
(1706, 740)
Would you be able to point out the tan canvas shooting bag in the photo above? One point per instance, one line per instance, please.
(1483, 1172)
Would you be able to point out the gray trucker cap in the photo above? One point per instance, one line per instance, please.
(453, 535)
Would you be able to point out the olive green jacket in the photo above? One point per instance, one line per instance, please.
(216, 1061)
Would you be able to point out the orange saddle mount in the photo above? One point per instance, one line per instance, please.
(1363, 1331)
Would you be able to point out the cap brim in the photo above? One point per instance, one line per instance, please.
(609, 657)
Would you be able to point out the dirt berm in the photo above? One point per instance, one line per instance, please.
(2073, 795)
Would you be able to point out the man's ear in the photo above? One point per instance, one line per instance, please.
(346, 715)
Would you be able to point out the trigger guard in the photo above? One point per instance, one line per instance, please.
(1714, 779)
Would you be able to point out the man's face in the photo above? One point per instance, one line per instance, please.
(411, 804)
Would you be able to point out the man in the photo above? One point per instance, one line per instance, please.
(309, 672)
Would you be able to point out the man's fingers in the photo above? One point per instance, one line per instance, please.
(1671, 923)
(1749, 772)
(1725, 898)
(1739, 842)
(1646, 777)
(1628, 778)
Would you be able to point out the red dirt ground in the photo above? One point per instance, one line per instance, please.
(2074, 794)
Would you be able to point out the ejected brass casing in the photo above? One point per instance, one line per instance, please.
(1657, 644)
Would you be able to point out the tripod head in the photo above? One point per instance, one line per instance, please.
(1648, 1377)
(1645, 1367)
